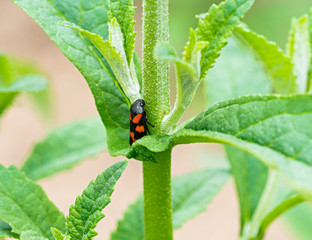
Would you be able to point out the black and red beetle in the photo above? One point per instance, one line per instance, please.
(138, 121)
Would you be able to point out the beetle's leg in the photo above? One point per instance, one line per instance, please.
(147, 130)
(149, 122)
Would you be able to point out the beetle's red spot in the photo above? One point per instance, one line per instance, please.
(137, 118)
(140, 129)
(132, 136)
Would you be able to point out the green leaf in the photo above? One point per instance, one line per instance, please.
(113, 51)
(87, 210)
(190, 45)
(191, 194)
(25, 206)
(193, 52)
(58, 235)
(299, 220)
(64, 147)
(217, 26)
(250, 177)
(278, 66)
(299, 49)
(124, 11)
(250, 184)
(249, 173)
(237, 80)
(275, 129)
(6, 231)
(272, 128)
(91, 16)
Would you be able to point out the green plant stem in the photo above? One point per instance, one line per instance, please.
(156, 176)
(252, 229)
(157, 198)
(155, 72)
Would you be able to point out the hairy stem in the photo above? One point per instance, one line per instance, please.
(155, 72)
(157, 198)
(156, 176)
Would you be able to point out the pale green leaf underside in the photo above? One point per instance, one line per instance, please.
(277, 64)
(299, 49)
(124, 11)
(113, 51)
(274, 129)
(92, 16)
(187, 81)
(30, 209)
(64, 147)
(217, 26)
(87, 210)
(191, 193)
